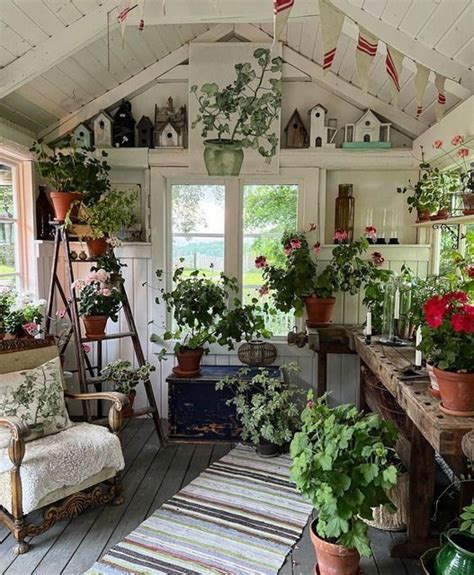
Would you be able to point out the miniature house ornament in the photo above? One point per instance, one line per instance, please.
(170, 126)
(123, 133)
(367, 132)
(321, 136)
(102, 124)
(145, 133)
(82, 136)
(296, 133)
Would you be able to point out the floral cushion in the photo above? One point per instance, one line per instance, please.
(36, 396)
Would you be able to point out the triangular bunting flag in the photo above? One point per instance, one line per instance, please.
(124, 10)
(421, 80)
(441, 101)
(141, 21)
(331, 26)
(366, 50)
(393, 65)
(281, 12)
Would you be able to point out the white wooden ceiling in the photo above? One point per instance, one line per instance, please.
(54, 53)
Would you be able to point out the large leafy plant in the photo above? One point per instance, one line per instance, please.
(112, 212)
(244, 110)
(202, 313)
(97, 296)
(266, 406)
(467, 517)
(341, 463)
(124, 378)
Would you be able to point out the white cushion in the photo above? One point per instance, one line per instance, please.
(36, 396)
(57, 462)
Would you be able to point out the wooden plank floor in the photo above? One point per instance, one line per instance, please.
(151, 477)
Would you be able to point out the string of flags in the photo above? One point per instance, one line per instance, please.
(331, 22)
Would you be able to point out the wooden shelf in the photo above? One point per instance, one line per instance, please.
(107, 337)
(453, 221)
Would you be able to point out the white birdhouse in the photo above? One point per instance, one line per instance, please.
(321, 136)
(168, 137)
(368, 129)
(82, 136)
(103, 130)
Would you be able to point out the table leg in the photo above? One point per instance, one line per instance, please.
(421, 494)
(322, 373)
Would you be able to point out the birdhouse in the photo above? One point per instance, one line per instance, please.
(296, 133)
(170, 125)
(145, 133)
(368, 131)
(321, 136)
(123, 133)
(82, 136)
(102, 124)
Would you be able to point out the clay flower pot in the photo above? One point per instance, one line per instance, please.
(319, 310)
(96, 248)
(423, 215)
(189, 360)
(95, 325)
(457, 392)
(434, 387)
(266, 449)
(333, 559)
(440, 214)
(127, 411)
(223, 157)
(62, 204)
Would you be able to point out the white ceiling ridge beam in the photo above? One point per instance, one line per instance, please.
(410, 47)
(65, 43)
(131, 87)
(340, 87)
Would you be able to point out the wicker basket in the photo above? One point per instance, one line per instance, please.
(257, 353)
(468, 445)
(398, 495)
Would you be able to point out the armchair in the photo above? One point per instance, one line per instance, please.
(62, 472)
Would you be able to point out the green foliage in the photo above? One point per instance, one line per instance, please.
(20, 310)
(124, 377)
(200, 308)
(74, 170)
(374, 295)
(7, 299)
(97, 296)
(341, 463)
(266, 406)
(112, 212)
(247, 104)
(467, 517)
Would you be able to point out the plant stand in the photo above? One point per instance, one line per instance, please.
(89, 375)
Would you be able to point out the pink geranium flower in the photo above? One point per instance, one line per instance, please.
(86, 347)
(317, 248)
(263, 290)
(340, 236)
(457, 140)
(377, 258)
(309, 403)
(31, 328)
(287, 250)
(295, 243)
(437, 144)
(370, 232)
(105, 292)
(261, 262)
(60, 313)
(463, 152)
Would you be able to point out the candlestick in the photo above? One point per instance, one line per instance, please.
(418, 354)
(368, 328)
(396, 306)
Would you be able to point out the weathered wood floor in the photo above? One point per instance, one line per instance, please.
(151, 477)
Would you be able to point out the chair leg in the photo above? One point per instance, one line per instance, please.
(21, 546)
(116, 490)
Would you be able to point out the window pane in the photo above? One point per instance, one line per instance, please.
(268, 211)
(206, 254)
(6, 192)
(198, 209)
(8, 229)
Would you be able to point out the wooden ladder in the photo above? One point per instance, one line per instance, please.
(89, 375)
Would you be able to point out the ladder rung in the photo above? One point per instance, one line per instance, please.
(109, 336)
(95, 380)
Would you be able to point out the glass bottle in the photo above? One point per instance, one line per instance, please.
(396, 305)
(344, 219)
(44, 215)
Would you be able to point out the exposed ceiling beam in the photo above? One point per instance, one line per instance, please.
(337, 85)
(133, 86)
(66, 42)
(407, 45)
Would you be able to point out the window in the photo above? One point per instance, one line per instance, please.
(9, 264)
(268, 210)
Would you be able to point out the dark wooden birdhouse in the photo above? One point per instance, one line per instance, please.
(145, 130)
(296, 133)
(124, 127)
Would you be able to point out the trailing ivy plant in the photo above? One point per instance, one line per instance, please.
(244, 110)
(342, 464)
(124, 378)
(266, 406)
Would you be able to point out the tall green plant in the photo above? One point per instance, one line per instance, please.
(112, 212)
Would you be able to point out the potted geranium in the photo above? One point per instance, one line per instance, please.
(448, 340)
(266, 407)
(240, 115)
(98, 301)
(24, 316)
(199, 306)
(75, 175)
(125, 379)
(341, 463)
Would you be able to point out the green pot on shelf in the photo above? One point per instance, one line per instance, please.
(456, 556)
(223, 157)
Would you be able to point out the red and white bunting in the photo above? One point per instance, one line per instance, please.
(281, 13)
(125, 8)
(141, 8)
(366, 50)
(441, 101)
(393, 65)
(331, 26)
(421, 80)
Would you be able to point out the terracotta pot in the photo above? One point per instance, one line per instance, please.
(127, 411)
(266, 449)
(434, 387)
(189, 360)
(319, 310)
(95, 325)
(423, 215)
(457, 391)
(468, 199)
(334, 559)
(440, 215)
(97, 248)
(62, 204)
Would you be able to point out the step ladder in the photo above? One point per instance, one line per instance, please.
(88, 374)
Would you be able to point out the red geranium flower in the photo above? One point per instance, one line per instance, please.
(261, 262)
(470, 271)
(434, 310)
(377, 258)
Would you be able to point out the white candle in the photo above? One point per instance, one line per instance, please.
(396, 306)
(418, 355)
(368, 326)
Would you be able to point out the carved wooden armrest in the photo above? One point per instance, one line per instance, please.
(17, 427)
(119, 400)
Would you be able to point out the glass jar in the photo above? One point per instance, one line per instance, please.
(344, 219)
(396, 307)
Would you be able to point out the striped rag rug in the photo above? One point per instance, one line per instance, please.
(241, 516)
